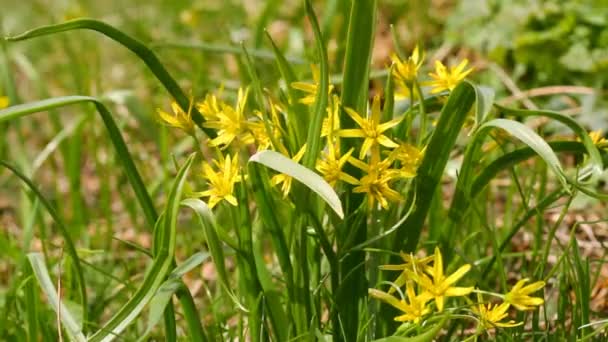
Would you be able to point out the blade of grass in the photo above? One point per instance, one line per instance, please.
(163, 260)
(577, 128)
(46, 284)
(70, 247)
(122, 152)
(137, 47)
(313, 139)
(297, 112)
(451, 120)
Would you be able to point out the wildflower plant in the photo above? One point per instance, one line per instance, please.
(307, 194)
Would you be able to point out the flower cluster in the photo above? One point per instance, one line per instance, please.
(425, 283)
(366, 155)
(406, 72)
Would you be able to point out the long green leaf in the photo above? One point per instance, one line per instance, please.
(313, 181)
(426, 336)
(210, 229)
(313, 139)
(530, 138)
(71, 248)
(297, 112)
(137, 47)
(163, 260)
(122, 152)
(451, 120)
(67, 320)
(577, 128)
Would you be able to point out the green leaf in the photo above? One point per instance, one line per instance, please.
(70, 247)
(578, 129)
(210, 228)
(426, 336)
(122, 152)
(484, 98)
(195, 260)
(530, 138)
(313, 181)
(313, 140)
(69, 323)
(137, 47)
(159, 303)
(297, 112)
(451, 120)
(163, 259)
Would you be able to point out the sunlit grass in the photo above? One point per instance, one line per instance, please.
(244, 186)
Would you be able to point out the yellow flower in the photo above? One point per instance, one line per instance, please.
(283, 178)
(596, 136)
(4, 102)
(409, 156)
(413, 310)
(331, 123)
(406, 72)
(221, 183)
(519, 296)
(412, 263)
(179, 119)
(331, 163)
(210, 107)
(310, 89)
(491, 315)
(440, 286)
(376, 183)
(445, 79)
(370, 129)
(260, 132)
(231, 123)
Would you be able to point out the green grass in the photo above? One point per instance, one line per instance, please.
(106, 235)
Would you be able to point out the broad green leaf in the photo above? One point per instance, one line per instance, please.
(484, 99)
(515, 157)
(163, 260)
(69, 323)
(137, 47)
(577, 128)
(313, 181)
(530, 138)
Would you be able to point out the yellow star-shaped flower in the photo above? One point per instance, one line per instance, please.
(370, 128)
(413, 310)
(231, 123)
(221, 183)
(406, 72)
(519, 296)
(179, 119)
(444, 79)
(436, 285)
(491, 315)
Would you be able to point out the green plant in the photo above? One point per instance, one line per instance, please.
(312, 189)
